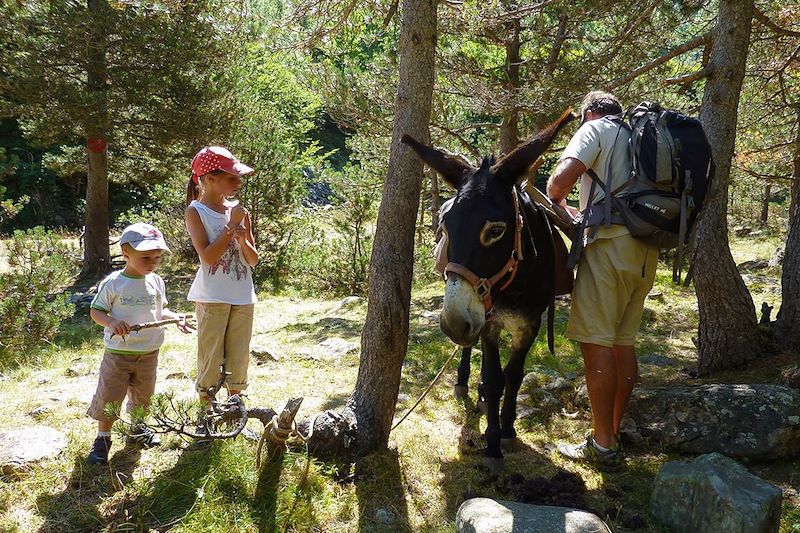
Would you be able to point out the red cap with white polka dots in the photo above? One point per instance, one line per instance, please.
(213, 158)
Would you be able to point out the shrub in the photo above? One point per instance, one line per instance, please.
(30, 310)
(334, 251)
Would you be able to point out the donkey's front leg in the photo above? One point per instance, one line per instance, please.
(461, 389)
(493, 383)
(514, 372)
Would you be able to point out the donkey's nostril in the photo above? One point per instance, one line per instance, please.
(467, 329)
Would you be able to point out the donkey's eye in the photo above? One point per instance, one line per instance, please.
(492, 232)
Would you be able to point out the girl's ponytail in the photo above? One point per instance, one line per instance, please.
(192, 190)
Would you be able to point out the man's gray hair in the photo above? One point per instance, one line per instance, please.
(600, 102)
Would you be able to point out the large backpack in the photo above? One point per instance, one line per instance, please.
(671, 172)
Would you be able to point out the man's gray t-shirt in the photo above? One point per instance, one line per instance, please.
(591, 145)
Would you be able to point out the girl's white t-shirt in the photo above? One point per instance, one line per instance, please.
(230, 279)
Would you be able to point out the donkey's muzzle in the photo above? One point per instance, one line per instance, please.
(463, 314)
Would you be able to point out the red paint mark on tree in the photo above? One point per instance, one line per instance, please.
(96, 144)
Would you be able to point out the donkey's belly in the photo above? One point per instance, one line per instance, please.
(521, 326)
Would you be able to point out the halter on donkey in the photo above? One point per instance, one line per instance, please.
(501, 269)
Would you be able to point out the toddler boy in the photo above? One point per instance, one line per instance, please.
(126, 297)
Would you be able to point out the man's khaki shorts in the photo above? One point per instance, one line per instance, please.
(613, 279)
(223, 330)
(120, 374)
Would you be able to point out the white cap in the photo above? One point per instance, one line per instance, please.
(143, 237)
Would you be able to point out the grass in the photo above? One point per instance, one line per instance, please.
(432, 463)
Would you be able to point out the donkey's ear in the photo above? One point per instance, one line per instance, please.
(512, 166)
(453, 168)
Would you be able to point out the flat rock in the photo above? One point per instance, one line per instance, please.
(20, 449)
(337, 347)
(714, 493)
(484, 515)
(755, 421)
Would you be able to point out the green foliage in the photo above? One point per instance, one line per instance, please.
(30, 310)
(9, 208)
(276, 114)
(334, 251)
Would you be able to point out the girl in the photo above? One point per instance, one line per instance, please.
(223, 289)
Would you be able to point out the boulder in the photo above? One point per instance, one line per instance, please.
(714, 493)
(746, 421)
(20, 449)
(483, 515)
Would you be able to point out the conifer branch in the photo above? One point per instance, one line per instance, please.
(663, 58)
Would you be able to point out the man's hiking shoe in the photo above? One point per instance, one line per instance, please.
(144, 436)
(587, 452)
(99, 453)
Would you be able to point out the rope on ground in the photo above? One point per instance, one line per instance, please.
(455, 351)
(279, 435)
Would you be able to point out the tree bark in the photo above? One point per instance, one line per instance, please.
(509, 129)
(385, 337)
(728, 334)
(96, 256)
(787, 328)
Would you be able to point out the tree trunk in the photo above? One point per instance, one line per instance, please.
(728, 333)
(385, 337)
(787, 329)
(96, 256)
(509, 129)
(764, 218)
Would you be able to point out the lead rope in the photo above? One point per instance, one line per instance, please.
(455, 351)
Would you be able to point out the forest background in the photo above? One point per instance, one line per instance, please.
(104, 102)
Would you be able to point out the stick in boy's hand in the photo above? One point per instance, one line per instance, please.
(182, 322)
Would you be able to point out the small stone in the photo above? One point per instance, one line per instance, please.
(178, 375)
(263, 354)
(657, 296)
(42, 381)
(38, 412)
(349, 302)
(403, 397)
(384, 516)
(558, 385)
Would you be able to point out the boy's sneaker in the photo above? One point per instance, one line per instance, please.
(142, 435)
(586, 451)
(99, 453)
(201, 429)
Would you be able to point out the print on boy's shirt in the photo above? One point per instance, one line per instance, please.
(145, 300)
(229, 263)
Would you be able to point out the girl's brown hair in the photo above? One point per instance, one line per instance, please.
(193, 188)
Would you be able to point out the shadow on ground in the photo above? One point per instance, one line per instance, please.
(76, 507)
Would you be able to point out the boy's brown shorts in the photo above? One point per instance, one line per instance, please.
(134, 375)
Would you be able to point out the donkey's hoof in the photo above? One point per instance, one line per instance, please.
(481, 408)
(461, 392)
(494, 465)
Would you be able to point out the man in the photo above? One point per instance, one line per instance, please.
(615, 273)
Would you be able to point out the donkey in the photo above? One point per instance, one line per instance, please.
(500, 274)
